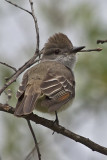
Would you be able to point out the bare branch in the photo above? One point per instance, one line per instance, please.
(19, 71)
(59, 129)
(35, 140)
(36, 26)
(34, 18)
(9, 66)
(101, 41)
(91, 50)
(30, 154)
(18, 7)
(32, 60)
(35, 61)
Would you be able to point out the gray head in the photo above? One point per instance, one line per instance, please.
(60, 48)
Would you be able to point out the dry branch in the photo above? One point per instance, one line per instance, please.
(18, 7)
(91, 50)
(59, 129)
(32, 60)
(101, 41)
(36, 26)
(9, 66)
(35, 140)
(19, 71)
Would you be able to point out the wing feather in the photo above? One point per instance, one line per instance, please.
(58, 88)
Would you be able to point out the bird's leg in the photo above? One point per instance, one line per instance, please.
(56, 119)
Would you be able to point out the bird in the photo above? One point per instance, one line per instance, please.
(49, 86)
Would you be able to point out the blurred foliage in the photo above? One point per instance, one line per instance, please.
(91, 69)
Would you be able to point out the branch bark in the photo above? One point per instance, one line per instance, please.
(59, 129)
(9, 66)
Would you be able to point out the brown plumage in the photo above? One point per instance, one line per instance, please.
(59, 40)
(49, 85)
(46, 80)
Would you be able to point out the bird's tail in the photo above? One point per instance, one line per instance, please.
(26, 102)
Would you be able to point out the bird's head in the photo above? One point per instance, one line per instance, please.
(60, 48)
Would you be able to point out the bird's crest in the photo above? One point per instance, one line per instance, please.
(58, 40)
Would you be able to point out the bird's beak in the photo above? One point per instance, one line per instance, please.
(77, 49)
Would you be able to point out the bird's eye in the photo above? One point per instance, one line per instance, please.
(57, 51)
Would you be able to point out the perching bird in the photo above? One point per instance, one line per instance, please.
(50, 85)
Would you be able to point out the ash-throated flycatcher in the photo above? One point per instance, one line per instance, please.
(50, 85)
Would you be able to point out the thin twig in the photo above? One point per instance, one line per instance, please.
(101, 41)
(59, 129)
(18, 7)
(30, 154)
(36, 26)
(34, 18)
(35, 61)
(9, 66)
(31, 61)
(35, 140)
(91, 50)
(19, 71)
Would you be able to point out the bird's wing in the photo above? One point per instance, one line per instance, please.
(58, 88)
(27, 96)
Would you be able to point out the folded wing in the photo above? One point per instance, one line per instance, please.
(58, 89)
